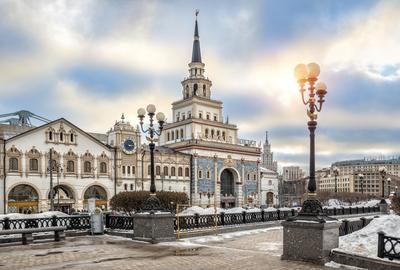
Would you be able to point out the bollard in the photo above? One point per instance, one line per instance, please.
(54, 221)
(244, 216)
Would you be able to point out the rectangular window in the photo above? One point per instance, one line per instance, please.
(123, 169)
(129, 169)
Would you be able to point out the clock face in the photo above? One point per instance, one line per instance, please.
(128, 146)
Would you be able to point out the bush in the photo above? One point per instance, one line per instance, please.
(396, 204)
(348, 197)
(132, 201)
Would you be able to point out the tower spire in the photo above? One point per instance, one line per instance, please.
(196, 54)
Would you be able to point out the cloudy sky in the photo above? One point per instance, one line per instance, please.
(90, 61)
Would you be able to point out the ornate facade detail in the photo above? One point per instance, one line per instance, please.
(33, 162)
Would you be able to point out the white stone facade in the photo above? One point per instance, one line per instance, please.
(269, 187)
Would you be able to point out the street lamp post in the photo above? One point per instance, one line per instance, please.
(152, 203)
(389, 180)
(382, 172)
(361, 176)
(308, 75)
(336, 173)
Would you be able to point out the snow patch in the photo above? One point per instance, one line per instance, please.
(48, 214)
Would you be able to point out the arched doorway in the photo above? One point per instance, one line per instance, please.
(63, 197)
(23, 199)
(270, 199)
(228, 198)
(98, 193)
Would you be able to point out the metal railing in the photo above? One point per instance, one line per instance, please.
(119, 222)
(71, 222)
(350, 210)
(350, 226)
(388, 246)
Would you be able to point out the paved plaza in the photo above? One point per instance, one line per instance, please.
(243, 250)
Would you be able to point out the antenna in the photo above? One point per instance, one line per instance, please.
(197, 13)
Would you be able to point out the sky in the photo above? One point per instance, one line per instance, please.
(91, 61)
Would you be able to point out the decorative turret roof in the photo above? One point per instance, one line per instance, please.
(196, 53)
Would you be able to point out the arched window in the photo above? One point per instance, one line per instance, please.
(195, 89)
(158, 170)
(187, 172)
(131, 186)
(33, 165)
(50, 135)
(248, 176)
(173, 173)
(165, 170)
(206, 133)
(125, 186)
(70, 166)
(133, 169)
(180, 171)
(212, 134)
(177, 134)
(208, 174)
(223, 135)
(103, 167)
(168, 138)
(200, 174)
(255, 177)
(189, 114)
(208, 116)
(204, 90)
(123, 169)
(172, 135)
(200, 115)
(13, 164)
(181, 133)
(61, 136)
(87, 167)
(71, 137)
(187, 91)
(129, 169)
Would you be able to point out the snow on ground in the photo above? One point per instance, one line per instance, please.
(365, 241)
(211, 210)
(39, 215)
(332, 203)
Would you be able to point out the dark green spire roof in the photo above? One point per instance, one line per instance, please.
(196, 54)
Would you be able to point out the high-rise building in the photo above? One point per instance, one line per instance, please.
(291, 173)
(268, 156)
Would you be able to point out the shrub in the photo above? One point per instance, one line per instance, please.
(130, 201)
(348, 197)
(396, 204)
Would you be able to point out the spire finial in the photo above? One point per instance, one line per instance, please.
(122, 117)
(197, 13)
(266, 135)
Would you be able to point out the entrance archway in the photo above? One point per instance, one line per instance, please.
(63, 197)
(228, 198)
(98, 193)
(270, 198)
(23, 199)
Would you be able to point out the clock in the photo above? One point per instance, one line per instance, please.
(128, 146)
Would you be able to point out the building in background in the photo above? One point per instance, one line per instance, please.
(293, 192)
(291, 173)
(348, 179)
(269, 187)
(268, 156)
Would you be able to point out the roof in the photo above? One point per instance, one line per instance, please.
(196, 54)
(55, 121)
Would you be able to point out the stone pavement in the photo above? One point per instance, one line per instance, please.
(243, 250)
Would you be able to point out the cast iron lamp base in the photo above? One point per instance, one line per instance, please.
(383, 201)
(311, 211)
(152, 204)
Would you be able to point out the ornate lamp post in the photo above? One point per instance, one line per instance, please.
(389, 180)
(361, 176)
(308, 76)
(152, 203)
(336, 173)
(382, 172)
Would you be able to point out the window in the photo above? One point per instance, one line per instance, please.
(87, 167)
(187, 91)
(165, 170)
(61, 136)
(72, 137)
(208, 116)
(103, 167)
(125, 186)
(128, 169)
(189, 115)
(131, 186)
(200, 174)
(158, 170)
(123, 169)
(200, 115)
(215, 118)
(248, 176)
(177, 134)
(187, 172)
(149, 170)
(195, 87)
(206, 135)
(172, 135)
(254, 177)
(270, 182)
(181, 133)
(173, 173)
(212, 134)
(180, 171)
(183, 116)
(133, 170)
(33, 165)
(50, 135)
(13, 166)
(168, 138)
(70, 166)
(204, 90)
(223, 135)
(208, 174)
